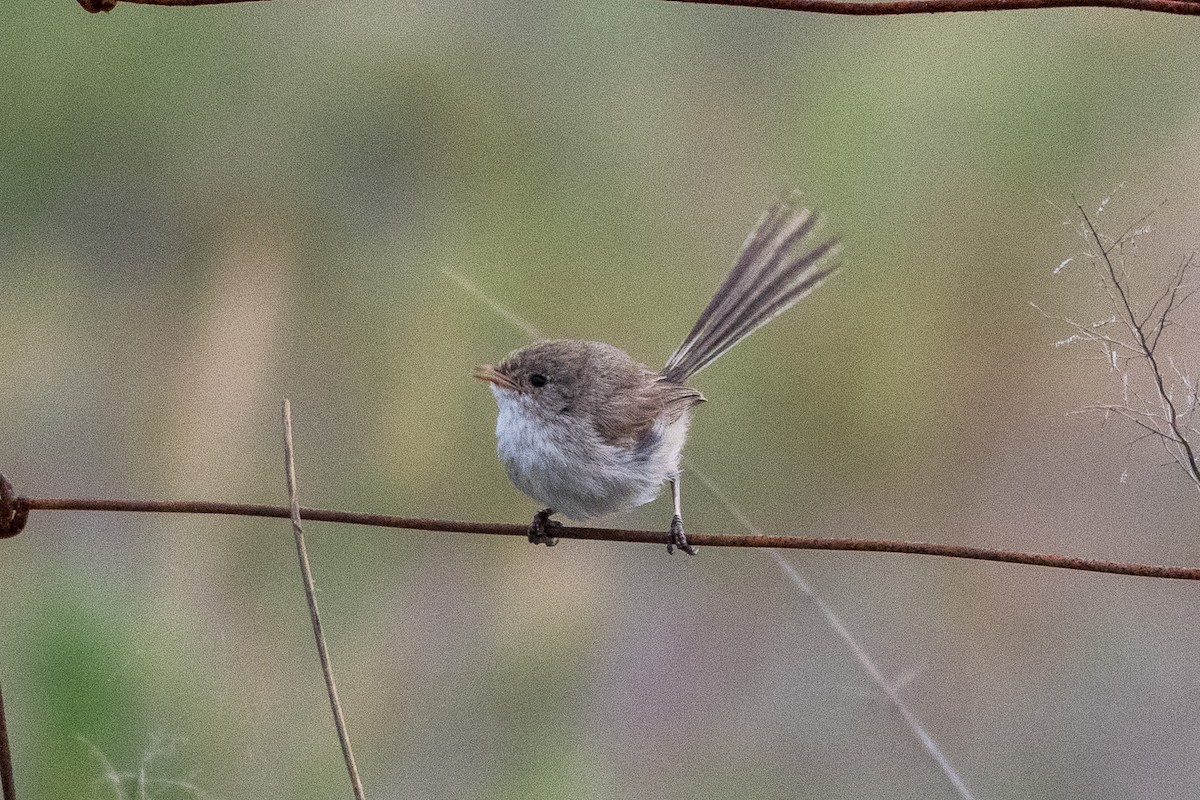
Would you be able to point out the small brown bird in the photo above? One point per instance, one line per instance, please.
(586, 430)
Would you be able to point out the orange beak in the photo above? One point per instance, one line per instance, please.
(487, 372)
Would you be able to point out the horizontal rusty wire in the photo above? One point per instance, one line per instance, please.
(14, 509)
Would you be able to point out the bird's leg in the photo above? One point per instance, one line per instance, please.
(539, 527)
(677, 536)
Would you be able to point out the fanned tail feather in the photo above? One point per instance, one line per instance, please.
(783, 259)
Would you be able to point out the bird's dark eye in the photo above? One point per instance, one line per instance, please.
(538, 380)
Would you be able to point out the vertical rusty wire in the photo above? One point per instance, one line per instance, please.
(13, 513)
(6, 767)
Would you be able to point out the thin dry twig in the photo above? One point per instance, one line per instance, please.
(615, 534)
(890, 688)
(310, 592)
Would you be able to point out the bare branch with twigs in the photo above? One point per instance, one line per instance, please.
(1157, 395)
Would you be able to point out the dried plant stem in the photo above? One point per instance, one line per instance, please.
(310, 593)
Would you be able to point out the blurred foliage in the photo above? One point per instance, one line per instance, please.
(206, 210)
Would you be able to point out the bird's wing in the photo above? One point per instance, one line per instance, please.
(635, 405)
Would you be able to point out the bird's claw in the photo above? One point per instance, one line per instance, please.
(677, 538)
(541, 524)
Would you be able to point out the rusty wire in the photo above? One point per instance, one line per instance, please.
(17, 508)
(858, 8)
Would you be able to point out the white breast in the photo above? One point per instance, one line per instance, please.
(563, 464)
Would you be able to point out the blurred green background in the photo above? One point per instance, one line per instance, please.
(207, 210)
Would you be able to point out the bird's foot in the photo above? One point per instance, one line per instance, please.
(538, 529)
(678, 538)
